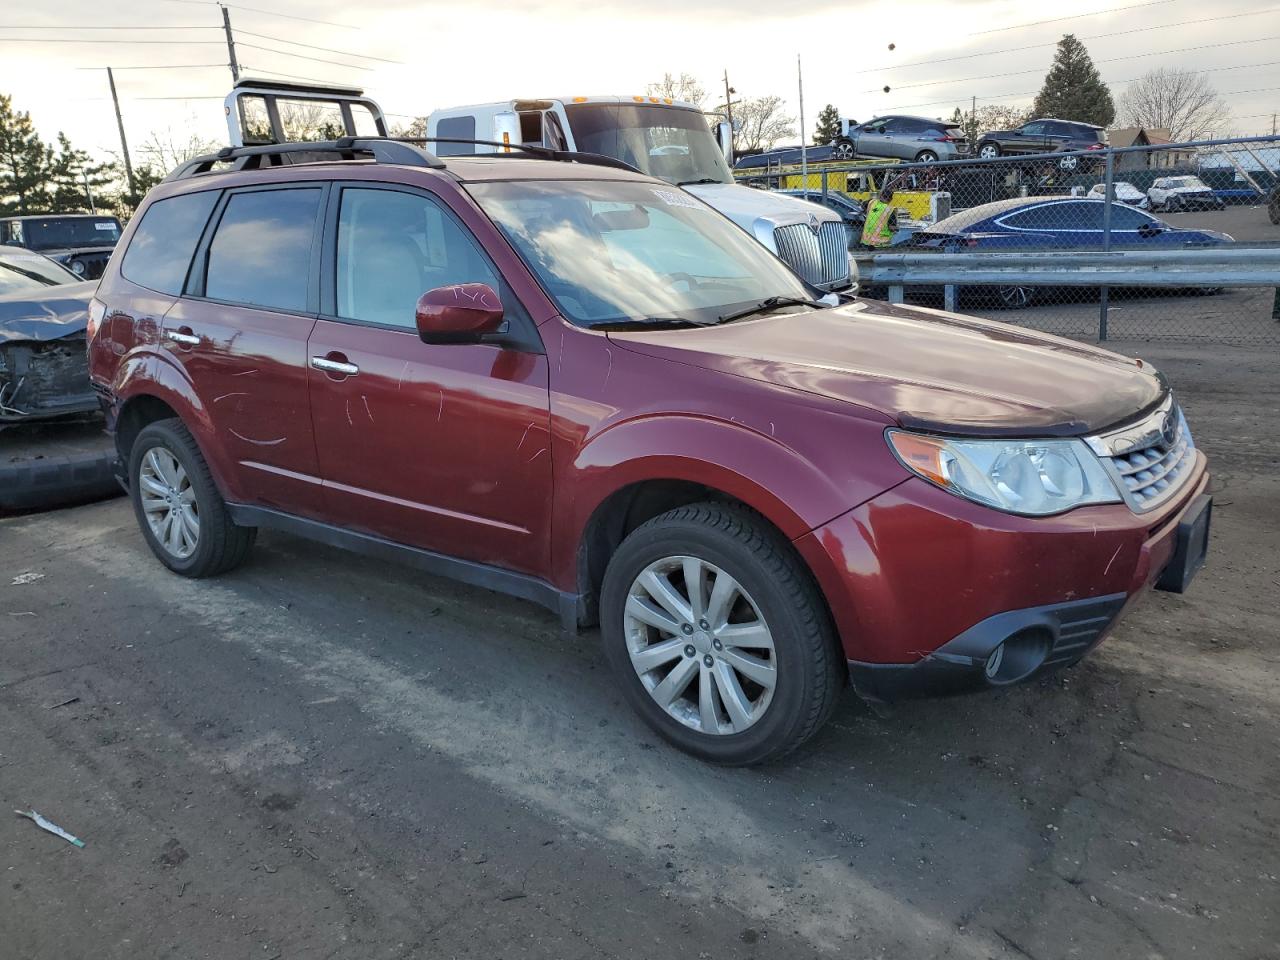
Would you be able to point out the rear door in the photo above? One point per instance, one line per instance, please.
(240, 338)
(445, 447)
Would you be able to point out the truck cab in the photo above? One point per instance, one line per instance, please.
(668, 139)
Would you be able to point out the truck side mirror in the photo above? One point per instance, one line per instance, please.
(724, 137)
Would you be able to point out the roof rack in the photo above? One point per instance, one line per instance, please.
(544, 153)
(379, 149)
(400, 150)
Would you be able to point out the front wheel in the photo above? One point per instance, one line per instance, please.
(988, 151)
(718, 635)
(183, 517)
(1015, 298)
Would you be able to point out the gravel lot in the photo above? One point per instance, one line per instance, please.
(323, 756)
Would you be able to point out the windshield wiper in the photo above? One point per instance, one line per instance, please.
(694, 183)
(625, 324)
(767, 304)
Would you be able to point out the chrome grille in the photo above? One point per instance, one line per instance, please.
(821, 258)
(1152, 459)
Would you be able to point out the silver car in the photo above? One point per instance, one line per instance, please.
(900, 137)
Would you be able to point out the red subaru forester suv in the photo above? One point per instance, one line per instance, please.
(582, 386)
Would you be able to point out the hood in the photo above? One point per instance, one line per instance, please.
(48, 314)
(745, 205)
(1188, 190)
(924, 369)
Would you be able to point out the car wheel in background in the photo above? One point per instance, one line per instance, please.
(926, 156)
(182, 516)
(718, 635)
(55, 463)
(1015, 298)
(988, 151)
(843, 150)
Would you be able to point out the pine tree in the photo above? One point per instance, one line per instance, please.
(1072, 89)
(828, 128)
(72, 178)
(25, 163)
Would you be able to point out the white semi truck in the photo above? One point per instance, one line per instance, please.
(668, 139)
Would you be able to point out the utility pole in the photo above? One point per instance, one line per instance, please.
(804, 139)
(93, 207)
(728, 109)
(124, 144)
(231, 43)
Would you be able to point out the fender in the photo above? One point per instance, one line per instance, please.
(795, 492)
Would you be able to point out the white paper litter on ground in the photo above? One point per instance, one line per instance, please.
(53, 828)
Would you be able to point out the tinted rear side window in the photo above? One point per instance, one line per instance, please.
(462, 128)
(162, 245)
(261, 252)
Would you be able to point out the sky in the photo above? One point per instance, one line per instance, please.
(450, 53)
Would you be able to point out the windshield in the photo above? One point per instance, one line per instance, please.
(29, 273)
(614, 251)
(1183, 183)
(672, 143)
(57, 232)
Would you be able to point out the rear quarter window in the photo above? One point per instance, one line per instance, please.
(160, 251)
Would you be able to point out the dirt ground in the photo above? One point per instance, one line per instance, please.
(323, 756)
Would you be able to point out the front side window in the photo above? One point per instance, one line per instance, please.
(671, 143)
(392, 248)
(1080, 215)
(1127, 218)
(625, 251)
(1033, 130)
(165, 240)
(261, 252)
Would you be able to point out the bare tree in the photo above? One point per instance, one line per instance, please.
(169, 148)
(417, 127)
(760, 124)
(685, 87)
(1180, 101)
(993, 116)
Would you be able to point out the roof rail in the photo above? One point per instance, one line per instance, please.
(545, 153)
(379, 149)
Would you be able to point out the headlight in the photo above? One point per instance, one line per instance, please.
(1032, 477)
(77, 267)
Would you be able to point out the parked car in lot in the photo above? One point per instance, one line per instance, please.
(81, 242)
(1123, 191)
(1045, 135)
(572, 383)
(921, 139)
(1175, 194)
(1041, 223)
(52, 447)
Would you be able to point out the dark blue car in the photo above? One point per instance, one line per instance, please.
(1039, 223)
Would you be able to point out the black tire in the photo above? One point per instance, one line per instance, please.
(1015, 298)
(810, 667)
(991, 147)
(926, 156)
(842, 149)
(53, 464)
(221, 544)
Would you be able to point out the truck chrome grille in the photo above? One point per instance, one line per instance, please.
(821, 258)
(1152, 459)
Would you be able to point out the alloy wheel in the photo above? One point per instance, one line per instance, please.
(843, 151)
(700, 645)
(169, 503)
(989, 152)
(1015, 298)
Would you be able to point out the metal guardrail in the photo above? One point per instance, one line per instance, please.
(1217, 267)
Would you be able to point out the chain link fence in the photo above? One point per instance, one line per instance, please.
(1165, 198)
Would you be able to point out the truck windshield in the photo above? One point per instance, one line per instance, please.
(53, 233)
(615, 251)
(672, 143)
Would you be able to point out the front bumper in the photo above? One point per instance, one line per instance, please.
(923, 586)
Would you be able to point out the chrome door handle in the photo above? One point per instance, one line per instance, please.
(334, 366)
(186, 339)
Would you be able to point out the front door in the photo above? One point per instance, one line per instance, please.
(440, 446)
(240, 335)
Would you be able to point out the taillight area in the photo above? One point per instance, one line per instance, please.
(97, 312)
(1096, 146)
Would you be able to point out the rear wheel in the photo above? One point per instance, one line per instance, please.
(183, 517)
(718, 635)
(926, 156)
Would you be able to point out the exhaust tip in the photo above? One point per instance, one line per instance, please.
(1018, 656)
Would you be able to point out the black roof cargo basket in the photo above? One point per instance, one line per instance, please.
(378, 149)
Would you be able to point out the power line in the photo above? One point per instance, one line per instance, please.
(37, 26)
(165, 66)
(1132, 56)
(1077, 16)
(301, 56)
(269, 13)
(287, 76)
(309, 46)
(1096, 36)
(85, 40)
